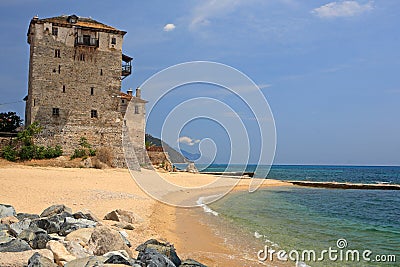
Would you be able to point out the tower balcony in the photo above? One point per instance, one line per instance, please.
(86, 40)
(126, 66)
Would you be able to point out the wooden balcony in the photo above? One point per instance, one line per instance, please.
(86, 40)
(126, 66)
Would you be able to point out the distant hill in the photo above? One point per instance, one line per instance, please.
(174, 155)
(190, 156)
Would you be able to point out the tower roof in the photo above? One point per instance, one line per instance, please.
(80, 22)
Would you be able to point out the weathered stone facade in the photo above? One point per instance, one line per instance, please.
(74, 88)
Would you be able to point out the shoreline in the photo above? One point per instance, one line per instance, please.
(208, 238)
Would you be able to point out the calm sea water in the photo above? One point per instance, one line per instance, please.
(299, 218)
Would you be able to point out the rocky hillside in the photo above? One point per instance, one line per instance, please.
(174, 155)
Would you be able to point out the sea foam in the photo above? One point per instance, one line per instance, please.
(207, 209)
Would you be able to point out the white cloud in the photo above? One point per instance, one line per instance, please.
(169, 27)
(342, 9)
(188, 141)
(213, 8)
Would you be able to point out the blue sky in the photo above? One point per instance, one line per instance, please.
(329, 69)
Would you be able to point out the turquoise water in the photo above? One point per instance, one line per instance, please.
(299, 218)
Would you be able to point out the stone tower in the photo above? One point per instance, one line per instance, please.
(74, 90)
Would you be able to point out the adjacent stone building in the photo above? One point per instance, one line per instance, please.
(74, 90)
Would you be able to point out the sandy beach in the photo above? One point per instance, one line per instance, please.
(32, 189)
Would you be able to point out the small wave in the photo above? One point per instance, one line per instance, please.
(207, 209)
(257, 235)
(383, 182)
(301, 264)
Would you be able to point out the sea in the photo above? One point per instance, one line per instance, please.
(315, 226)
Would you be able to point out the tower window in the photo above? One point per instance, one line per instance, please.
(101, 72)
(82, 57)
(56, 112)
(59, 69)
(113, 40)
(123, 101)
(63, 89)
(93, 113)
(91, 90)
(54, 31)
(57, 53)
(136, 110)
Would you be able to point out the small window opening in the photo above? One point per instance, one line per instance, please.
(82, 57)
(59, 69)
(136, 110)
(113, 40)
(93, 113)
(63, 89)
(34, 102)
(56, 112)
(91, 90)
(57, 53)
(101, 72)
(54, 31)
(123, 101)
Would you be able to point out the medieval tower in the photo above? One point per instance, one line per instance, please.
(74, 90)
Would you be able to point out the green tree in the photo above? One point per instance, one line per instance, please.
(9, 121)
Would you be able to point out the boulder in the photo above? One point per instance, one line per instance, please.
(4, 227)
(61, 254)
(22, 216)
(121, 253)
(88, 261)
(28, 234)
(82, 235)
(125, 226)
(6, 210)
(37, 238)
(118, 259)
(54, 210)
(18, 259)
(52, 224)
(71, 224)
(16, 245)
(18, 227)
(5, 237)
(151, 257)
(40, 240)
(191, 263)
(38, 260)
(191, 168)
(76, 249)
(87, 163)
(8, 220)
(105, 239)
(85, 214)
(121, 216)
(165, 249)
